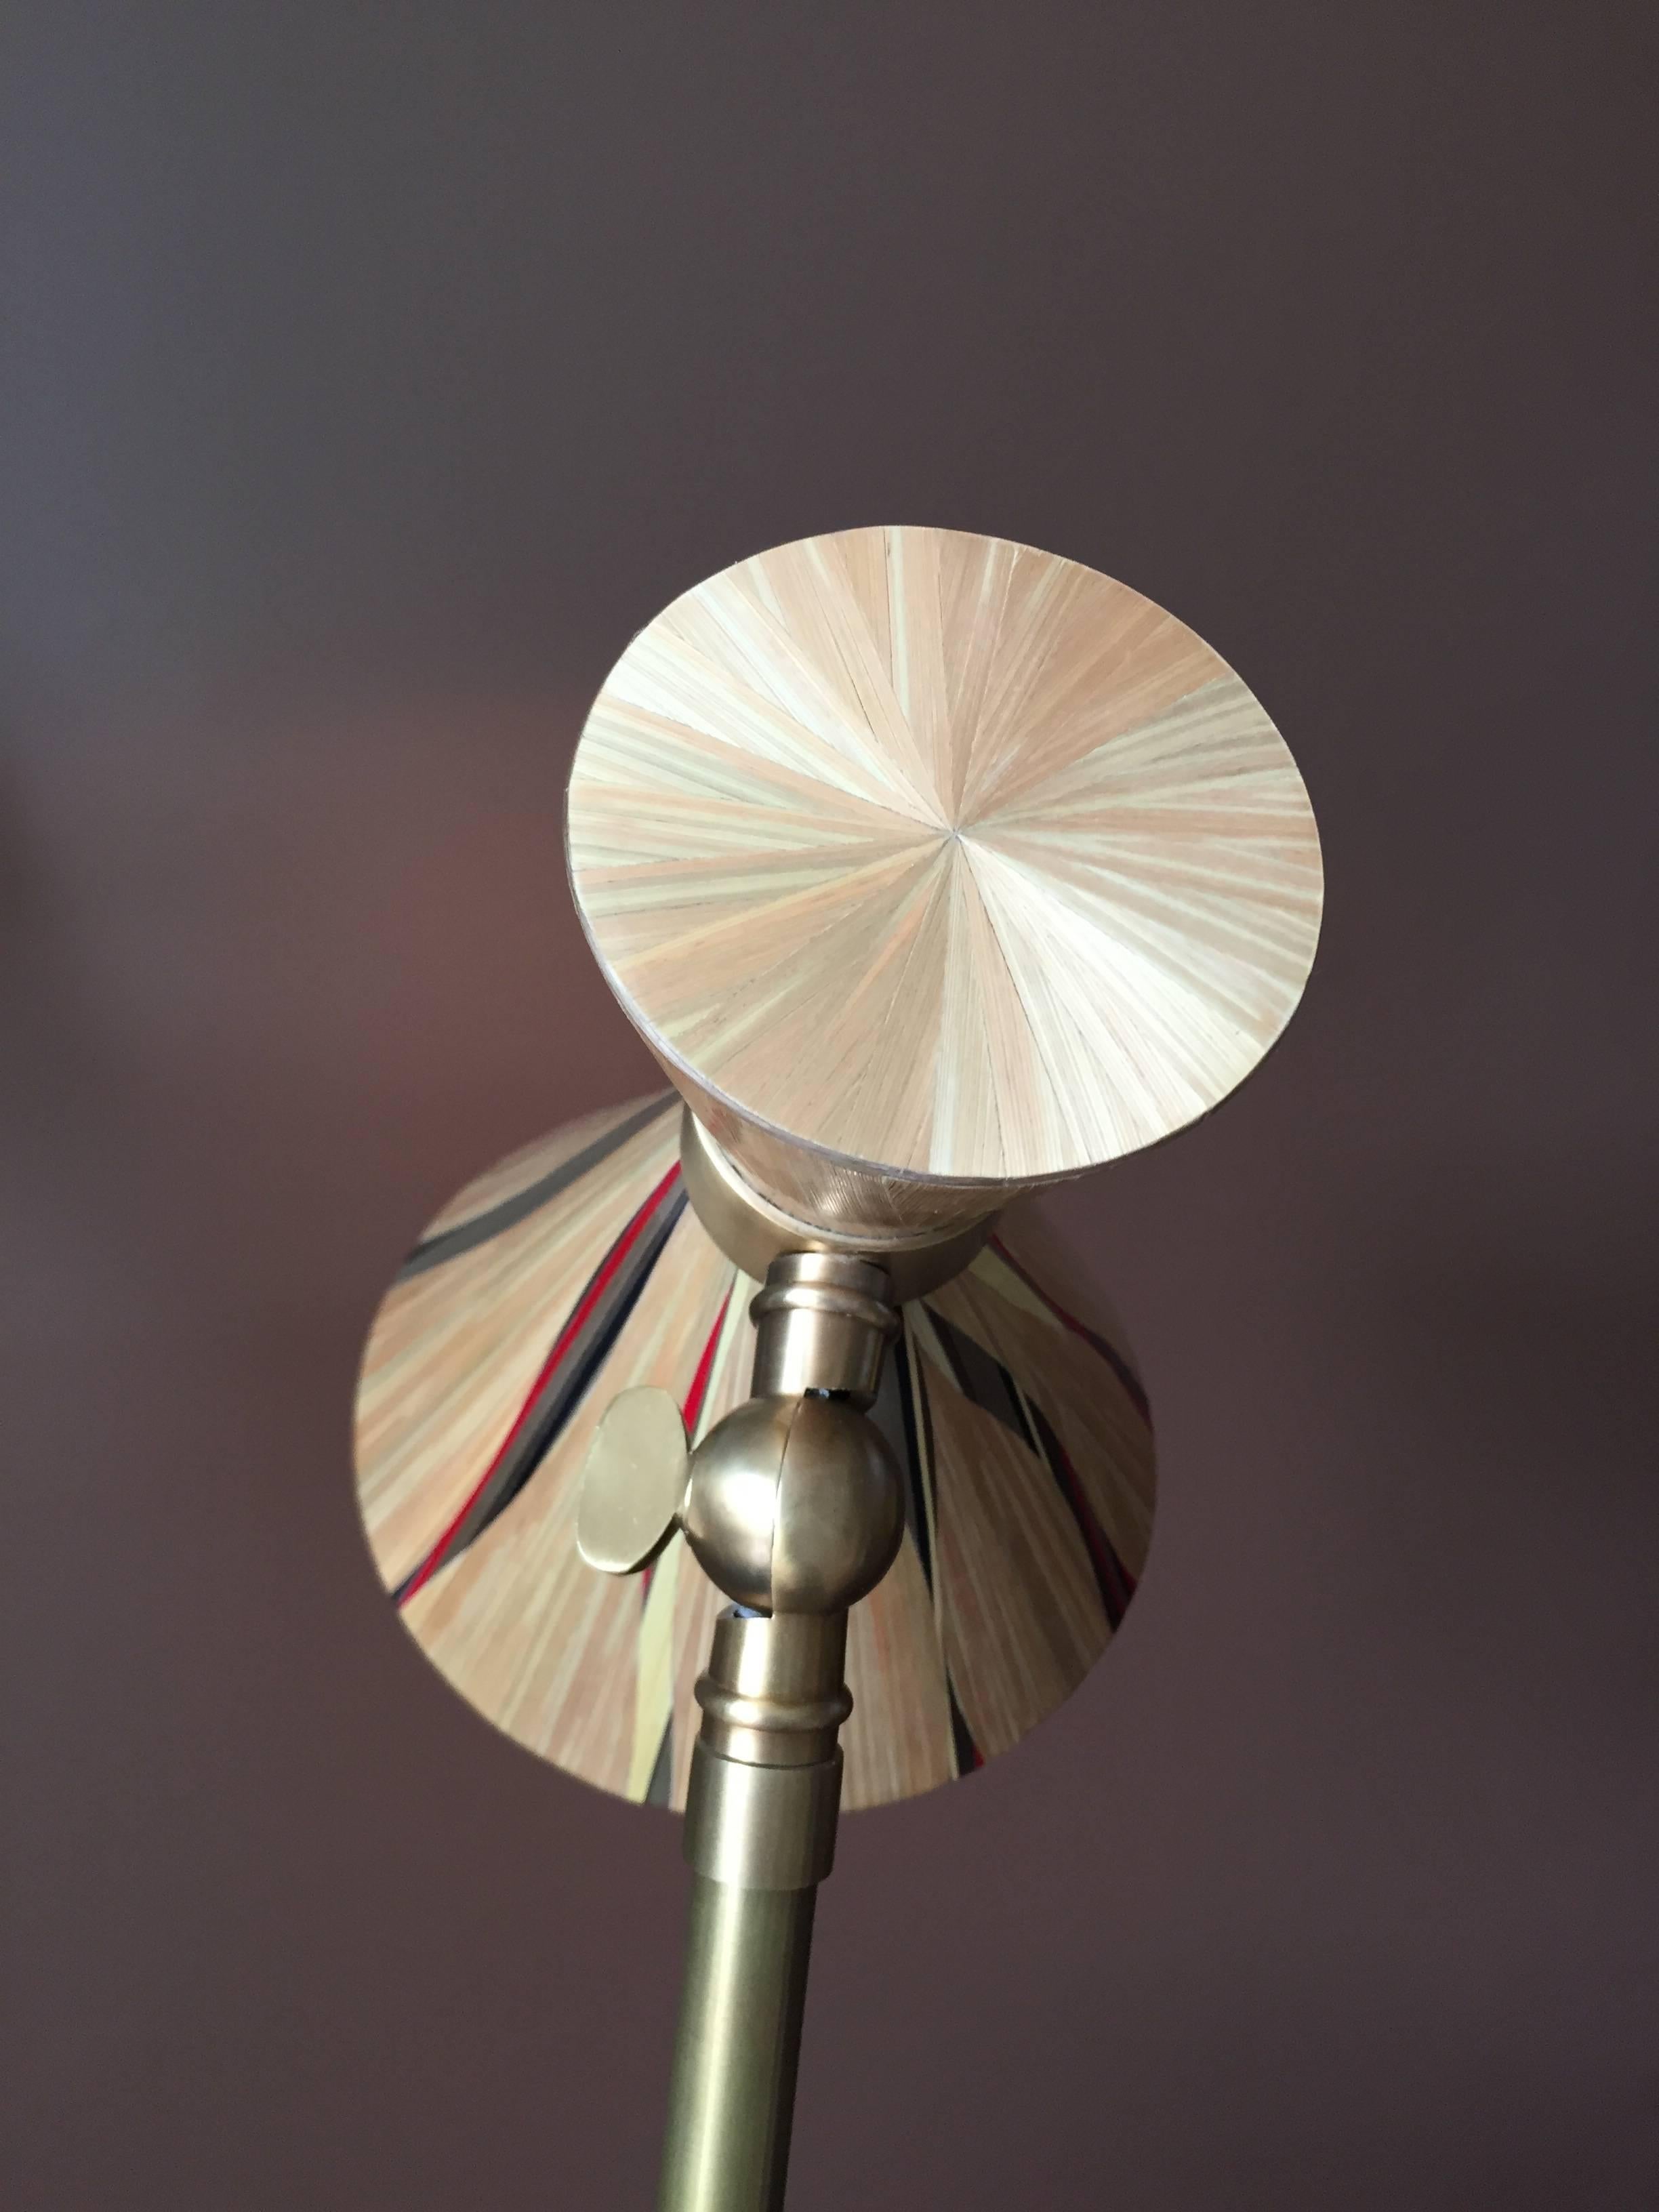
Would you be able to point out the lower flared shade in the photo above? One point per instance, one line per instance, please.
(576, 1269)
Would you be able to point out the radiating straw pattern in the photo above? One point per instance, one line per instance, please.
(944, 855)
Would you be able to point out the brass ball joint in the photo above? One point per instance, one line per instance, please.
(793, 1503)
(794, 1506)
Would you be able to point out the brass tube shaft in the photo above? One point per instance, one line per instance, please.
(759, 1834)
(732, 2095)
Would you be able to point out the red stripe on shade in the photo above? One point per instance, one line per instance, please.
(595, 1290)
(699, 1390)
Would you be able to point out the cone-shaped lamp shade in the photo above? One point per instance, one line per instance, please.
(576, 1270)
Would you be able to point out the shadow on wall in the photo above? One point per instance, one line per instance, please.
(318, 971)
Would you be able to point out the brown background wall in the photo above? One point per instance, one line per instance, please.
(370, 374)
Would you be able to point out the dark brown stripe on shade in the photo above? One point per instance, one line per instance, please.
(1113, 1580)
(450, 1242)
(980, 1377)
(1113, 1358)
(660, 1789)
(559, 1395)
(895, 1416)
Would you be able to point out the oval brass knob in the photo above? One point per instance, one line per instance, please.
(633, 1482)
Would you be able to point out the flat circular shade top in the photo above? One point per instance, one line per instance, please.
(943, 855)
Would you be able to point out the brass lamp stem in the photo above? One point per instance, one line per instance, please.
(760, 1836)
(810, 1526)
(732, 2096)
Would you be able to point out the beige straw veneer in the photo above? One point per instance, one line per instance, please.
(942, 856)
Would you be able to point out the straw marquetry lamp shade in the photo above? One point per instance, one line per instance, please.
(933, 870)
(577, 1269)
